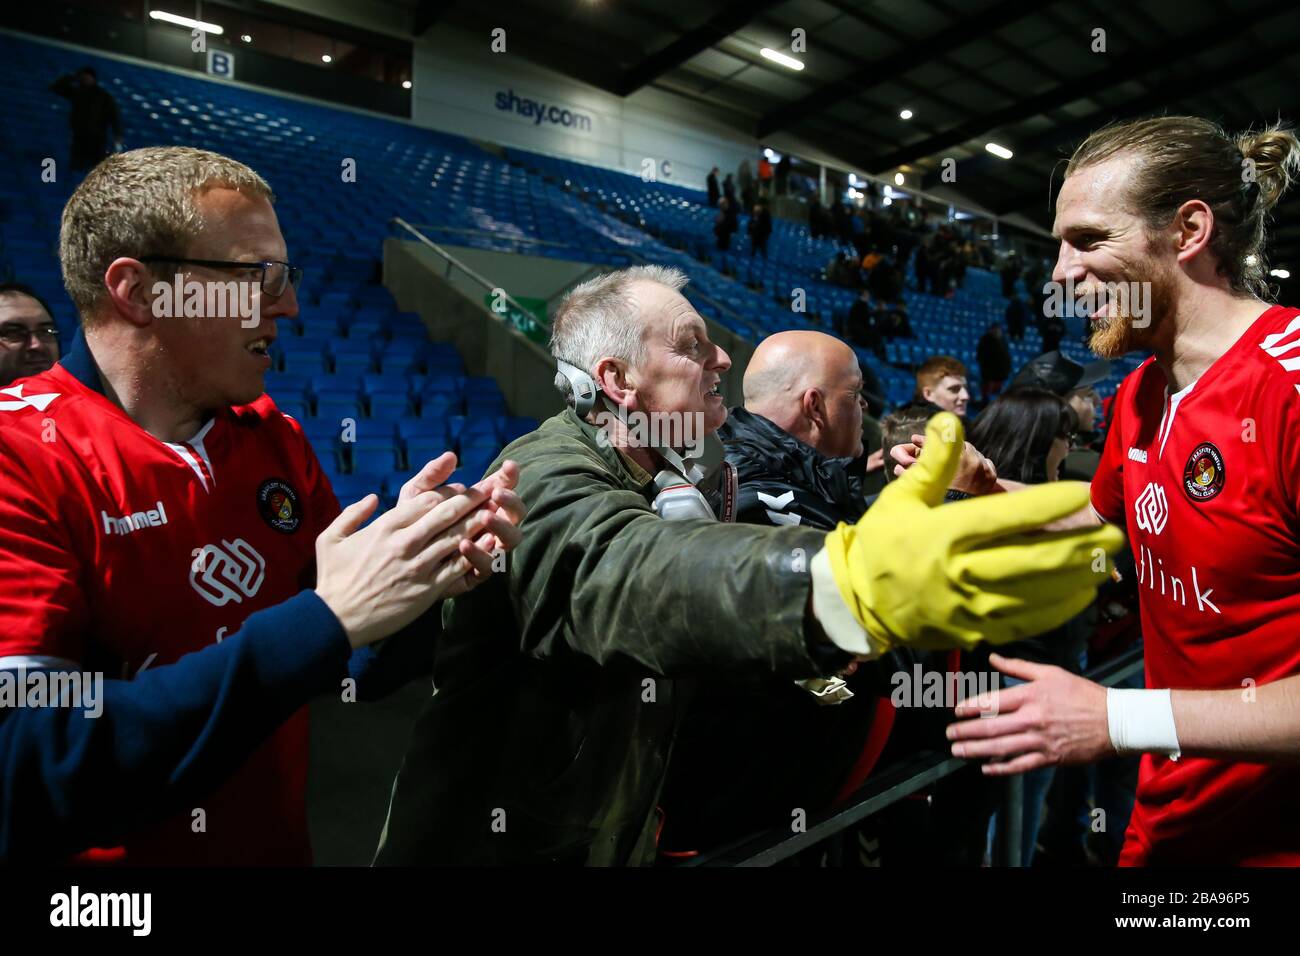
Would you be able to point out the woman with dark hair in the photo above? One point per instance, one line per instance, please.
(1026, 434)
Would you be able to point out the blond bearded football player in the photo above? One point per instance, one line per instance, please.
(1202, 466)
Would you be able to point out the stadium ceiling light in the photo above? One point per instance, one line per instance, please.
(999, 151)
(246, 38)
(887, 201)
(406, 84)
(326, 58)
(186, 22)
(905, 114)
(776, 56)
(1280, 274)
(898, 179)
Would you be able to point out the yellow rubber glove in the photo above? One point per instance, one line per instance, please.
(917, 572)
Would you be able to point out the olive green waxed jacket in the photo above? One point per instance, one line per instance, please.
(559, 683)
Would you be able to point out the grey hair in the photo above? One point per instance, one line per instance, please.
(601, 317)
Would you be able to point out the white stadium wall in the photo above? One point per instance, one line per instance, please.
(460, 86)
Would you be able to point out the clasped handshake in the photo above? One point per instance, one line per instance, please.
(439, 541)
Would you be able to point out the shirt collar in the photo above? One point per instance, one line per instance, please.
(80, 364)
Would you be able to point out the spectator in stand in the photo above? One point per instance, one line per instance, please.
(29, 339)
(1034, 277)
(1017, 313)
(896, 324)
(1052, 329)
(922, 265)
(745, 177)
(783, 175)
(872, 192)
(898, 427)
(711, 184)
(1010, 272)
(765, 176)
(884, 233)
(965, 256)
(858, 233)
(1075, 383)
(885, 281)
(816, 219)
(760, 229)
(864, 325)
(941, 380)
(93, 114)
(843, 271)
(840, 217)
(994, 360)
(726, 222)
(729, 190)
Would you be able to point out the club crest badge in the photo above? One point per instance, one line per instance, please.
(277, 503)
(1204, 475)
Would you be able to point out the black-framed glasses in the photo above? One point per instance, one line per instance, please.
(16, 336)
(277, 274)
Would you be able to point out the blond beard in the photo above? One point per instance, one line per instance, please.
(1121, 334)
(1113, 338)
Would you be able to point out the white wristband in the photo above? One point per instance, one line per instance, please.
(1142, 721)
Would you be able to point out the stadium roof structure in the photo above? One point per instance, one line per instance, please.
(1028, 75)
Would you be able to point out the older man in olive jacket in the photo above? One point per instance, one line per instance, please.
(559, 684)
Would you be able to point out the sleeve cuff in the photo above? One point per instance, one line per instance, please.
(835, 616)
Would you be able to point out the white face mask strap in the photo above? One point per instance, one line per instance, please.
(687, 467)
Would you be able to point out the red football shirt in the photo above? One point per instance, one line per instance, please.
(1207, 482)
(120, 552)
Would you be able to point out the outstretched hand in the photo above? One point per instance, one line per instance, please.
(1055, 718)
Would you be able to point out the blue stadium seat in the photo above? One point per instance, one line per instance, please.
(515, 426)
(355, 486)
(478, 433)
(476, 460)
(379, 457)
(389, 404)
(422, 449)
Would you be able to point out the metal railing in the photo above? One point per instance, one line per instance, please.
(890, 785)
(452, 266)
(754, 331)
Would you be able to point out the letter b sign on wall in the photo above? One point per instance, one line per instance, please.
(221, 63)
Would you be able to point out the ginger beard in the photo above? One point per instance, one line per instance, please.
(1116, 331)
